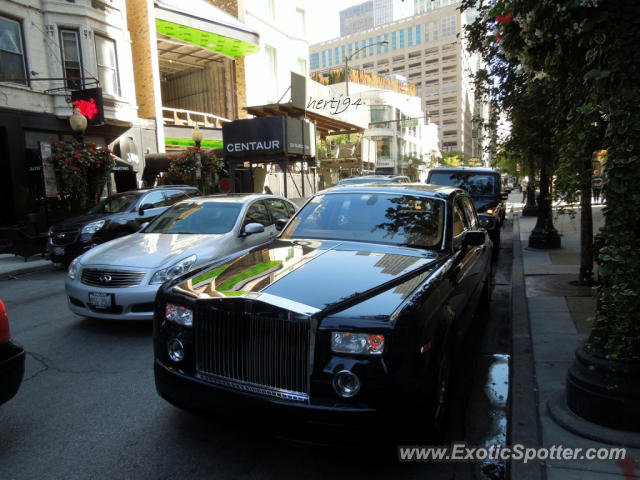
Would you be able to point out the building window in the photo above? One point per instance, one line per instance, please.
(300, 22)
(448, 26)
(410, 36)
(107, 65)
(343, 53)
(379, 46)
(371, 46)
(330, 57)
(302, 66)
(386, 45)
(71, 59)
(324, 58)
(270, 10)
(393, 41)
(12, 61)
(272, 72)
(418, 34)
(314, 61)
(336, 55)
(402, 38)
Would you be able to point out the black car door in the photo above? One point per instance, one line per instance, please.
(466, 260)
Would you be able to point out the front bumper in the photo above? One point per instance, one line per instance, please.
(129, 303)
(192, 394)
(12, 359)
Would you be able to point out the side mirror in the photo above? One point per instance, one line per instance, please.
(251, 228)
(473, 238)
(504, 195)
(280, 224)
(144, 207)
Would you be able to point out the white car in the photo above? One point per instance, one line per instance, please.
(119, 279)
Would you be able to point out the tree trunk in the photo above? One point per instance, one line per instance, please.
(586, 225)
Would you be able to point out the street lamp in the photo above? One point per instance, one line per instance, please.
(78, 124)
(346, 61)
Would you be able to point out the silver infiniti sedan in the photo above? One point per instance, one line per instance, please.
(119, 279)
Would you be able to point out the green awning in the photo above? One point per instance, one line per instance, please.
(199, 23)
(187, 142)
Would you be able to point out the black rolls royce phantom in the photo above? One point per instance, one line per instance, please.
(350, 313)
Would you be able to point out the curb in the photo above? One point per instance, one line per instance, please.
(28, 269)
(563, 416)
(524, 419)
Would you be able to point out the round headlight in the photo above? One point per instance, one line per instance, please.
(346, 383)
(175, 350)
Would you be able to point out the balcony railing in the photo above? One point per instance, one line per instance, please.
(177, 116)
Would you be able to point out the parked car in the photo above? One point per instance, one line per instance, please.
(11, 360)
(119, 279)
(484, 187)
(349, 315)
(116, 216)
(374, 178)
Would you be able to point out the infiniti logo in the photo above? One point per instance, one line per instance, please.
(105, 278)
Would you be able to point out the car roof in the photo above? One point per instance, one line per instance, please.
(438, 191)
(465, 169)
(140, 191)
(239, 198)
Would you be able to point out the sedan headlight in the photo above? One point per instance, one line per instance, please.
(74, 269)
(358, 343)
(174, 270)
(93, 227)
(179, 314)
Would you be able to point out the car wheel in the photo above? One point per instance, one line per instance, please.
(494, 235)
(487, 290)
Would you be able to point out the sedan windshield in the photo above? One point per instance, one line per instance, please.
(474, 183)
(196, 218)
(395, 219)
(115, 203)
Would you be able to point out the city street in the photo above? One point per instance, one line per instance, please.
(88, 408)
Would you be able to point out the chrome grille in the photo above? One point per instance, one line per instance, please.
(64, 236)
(111, 278)
(263, 353)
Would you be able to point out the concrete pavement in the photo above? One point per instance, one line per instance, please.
(11, 265)
(551, 318)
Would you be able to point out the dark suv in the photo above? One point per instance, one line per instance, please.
(483, 186)
(115, 216)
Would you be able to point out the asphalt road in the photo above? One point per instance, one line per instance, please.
(87, 408)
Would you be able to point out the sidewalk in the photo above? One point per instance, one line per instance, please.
(11, 265)
(560, 317)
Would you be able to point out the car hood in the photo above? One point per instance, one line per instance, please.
(151, 250)
(319, 274)
(80, 221)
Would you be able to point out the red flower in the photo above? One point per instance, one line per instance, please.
(506, 20)
(91, 150)
(497, 36)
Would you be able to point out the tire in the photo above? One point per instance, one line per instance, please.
(487, 289)
(494, 235)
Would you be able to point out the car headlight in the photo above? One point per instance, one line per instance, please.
(179, 314)
(358, 343)
(489, 211)
(174, 270)
(74, 269)
(93, 227)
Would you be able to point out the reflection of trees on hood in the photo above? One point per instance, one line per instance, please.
(417, 220)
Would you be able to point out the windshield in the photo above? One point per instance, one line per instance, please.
(474, 183)
(115, 203)
(196, 218)
(395, 219)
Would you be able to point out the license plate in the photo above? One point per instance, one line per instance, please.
(100, 300)
(58, 250)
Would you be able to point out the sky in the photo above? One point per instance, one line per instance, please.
(323, 18)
